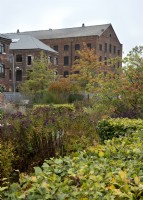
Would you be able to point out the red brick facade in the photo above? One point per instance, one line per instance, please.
(4, 62)
(109, 38)
(23, 63)
(105, 43)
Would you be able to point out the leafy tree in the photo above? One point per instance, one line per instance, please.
(124, 91)
(39, 77)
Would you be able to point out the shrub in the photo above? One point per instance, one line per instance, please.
(75, 97)
(109, 128)
(46, 132)
(110, 171)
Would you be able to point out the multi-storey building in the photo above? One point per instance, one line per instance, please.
(67, 41)
(23, 50)
(4, 62)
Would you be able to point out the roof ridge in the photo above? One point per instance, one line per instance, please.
(50, 29)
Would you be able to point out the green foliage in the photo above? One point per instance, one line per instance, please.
(75, 97)
(109, 128)
(39, 76)
(110, 171)
(6, 160)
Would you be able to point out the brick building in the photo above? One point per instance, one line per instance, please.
(4, 62)
(23, 49)
(67, 41)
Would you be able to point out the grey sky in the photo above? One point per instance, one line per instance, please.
(126, 16)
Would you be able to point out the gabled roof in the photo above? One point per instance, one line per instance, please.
(4, 37)
(23, 42)
(69, 32)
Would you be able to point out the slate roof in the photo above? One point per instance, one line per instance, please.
(69, 32)
(4, 37)
(22, 41)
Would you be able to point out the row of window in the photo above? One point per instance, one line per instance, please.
(2, 48)
(29, 59)
(111, 48)
(67, 60)
(67, 47)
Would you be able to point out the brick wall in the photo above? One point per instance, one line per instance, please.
(4, 59)
(108, 36)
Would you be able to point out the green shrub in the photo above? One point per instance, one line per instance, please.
(7, 158)
(75, 97)
(109, 128)
(110, 171)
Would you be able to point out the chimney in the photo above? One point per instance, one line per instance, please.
(83, 25)
(18, 31)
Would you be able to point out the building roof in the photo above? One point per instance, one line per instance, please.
(4, 37)
(69, 32)
(24, 42)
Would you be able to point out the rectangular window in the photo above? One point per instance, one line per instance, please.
(10, 74)
(55, 61)
(110, 48)
(66, 60)
(56, 48)
(100, 47)
(2, 71)
(29, 60)
(105, 47)
(2, 48)
(89, 45)
(18, 75)
(49, 59)
(114, 49)
(77, 46)
(66, 47)
(118, 52)
(18, 58)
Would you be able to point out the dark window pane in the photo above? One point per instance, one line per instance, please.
(56, 48)
(2, 70)
(29, 60)
(19, 75)
(105, 47)
(66, 47)
(89, 45)
(66, 60)
(77, 47)
(19, 58)
(10, 74)
(2, 48)
(100, 47)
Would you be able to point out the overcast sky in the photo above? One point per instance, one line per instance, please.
(126, 16)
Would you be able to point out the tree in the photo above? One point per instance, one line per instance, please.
(39, 77)
(124, 91)
(61, 88)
